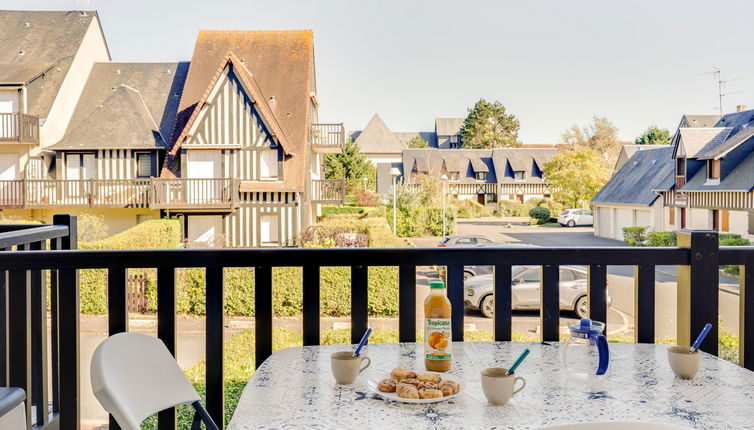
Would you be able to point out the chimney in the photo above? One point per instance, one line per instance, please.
(741, 108)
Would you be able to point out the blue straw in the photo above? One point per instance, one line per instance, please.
(702, 335)
(362, 342)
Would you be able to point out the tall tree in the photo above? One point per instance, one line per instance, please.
(576, 176)
(654, 135)
(488, 125)
(417, 142)
(352, 166)
(601, 136)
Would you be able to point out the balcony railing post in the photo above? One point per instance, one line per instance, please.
(19, 333)
(214, 344)
(69, 341)
(166, 330)
(698, 288)
(746, 314)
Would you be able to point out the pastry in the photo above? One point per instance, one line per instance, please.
(413, 381)
(407, 391)
(401, 373)
(430, 393)
(387, 385)
(427, 385)
(429, 377)
(449, 388)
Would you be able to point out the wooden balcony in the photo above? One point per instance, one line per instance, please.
(195, 193)
(154, 193)
(328, 138)
(329, 191)
(19, 128)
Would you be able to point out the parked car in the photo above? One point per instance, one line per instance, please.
(525, 284)
(469, 271)
(574, 217)
(465, 241)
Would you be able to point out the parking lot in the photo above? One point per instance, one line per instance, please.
(620, 280)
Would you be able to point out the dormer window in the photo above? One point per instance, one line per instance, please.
(481, 176)
(680, 167)
(713, 170)
(518, 175)
(454, 141)
(454, 176)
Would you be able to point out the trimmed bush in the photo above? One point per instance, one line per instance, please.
(506, 207)
(661, 238)
(539, 213)
(342, 210)
(522, 209)
(417, 221)
(635, 236)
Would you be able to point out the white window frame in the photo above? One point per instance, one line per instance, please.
(269, 169)
(273, 229)
(523, 175)
(138, 156)
(455, 176)
(480, 176)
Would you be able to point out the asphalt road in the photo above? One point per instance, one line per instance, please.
(620, 280)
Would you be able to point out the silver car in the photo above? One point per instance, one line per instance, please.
(574, 217)
(465, 241)
(525, 290)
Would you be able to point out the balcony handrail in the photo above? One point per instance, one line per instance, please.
(328, 134)
(19, 127)
(698, 290)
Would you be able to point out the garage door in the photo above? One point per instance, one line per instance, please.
(643, 219)
(623, 218)
(605, 225)
(204, 228)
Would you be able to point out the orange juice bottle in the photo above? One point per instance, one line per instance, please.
(437, 335)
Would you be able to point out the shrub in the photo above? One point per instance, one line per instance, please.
(535, 201)
(661, 238)
(91, 227)
(554, 206)
(365, 198)
(733, 240)
(417, 221)
(342, 210)
(377, 212)
(522, 209)
(470, 208)
(506, 207)
(635, 236)
(541, 214)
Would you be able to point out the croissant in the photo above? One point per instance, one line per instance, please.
(407, 391)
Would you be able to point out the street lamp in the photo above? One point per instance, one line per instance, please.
(394, 172)
(365, 179)
(444, 179)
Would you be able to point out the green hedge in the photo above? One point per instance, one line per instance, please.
(152, 234)
(239, 281)
(662, 238)
(343, 210)
(540, 213)
(635, 236)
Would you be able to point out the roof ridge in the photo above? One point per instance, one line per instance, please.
(302, 30)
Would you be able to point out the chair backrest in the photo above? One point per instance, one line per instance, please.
(134, 376)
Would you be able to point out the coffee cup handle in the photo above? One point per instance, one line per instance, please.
(368, 363)
(518, 378)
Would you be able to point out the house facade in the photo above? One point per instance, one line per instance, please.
(485, 175)
(702, 181)
(224, 141)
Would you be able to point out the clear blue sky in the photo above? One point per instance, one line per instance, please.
(552, 63)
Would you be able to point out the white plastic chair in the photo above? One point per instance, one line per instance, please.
(134, 376)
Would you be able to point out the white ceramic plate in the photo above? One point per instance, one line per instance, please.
(374, 383)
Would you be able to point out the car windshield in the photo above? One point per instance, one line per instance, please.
(446, 240)
(566, 212)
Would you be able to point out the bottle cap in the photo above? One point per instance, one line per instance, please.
(437, 284)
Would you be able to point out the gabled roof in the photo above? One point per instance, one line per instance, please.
(521, 159)
(377, 138)
(636, 181)
(478, 164)
(404, 136)
(158, 86)
(693, 141)
(228, 63)
(448, 126)
(38, 48)
(122, 121)
(693, 121)
(282, 64)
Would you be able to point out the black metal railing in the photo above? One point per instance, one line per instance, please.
(698, 259)
(24, 358)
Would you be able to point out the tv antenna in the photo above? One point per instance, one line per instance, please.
(721, 83)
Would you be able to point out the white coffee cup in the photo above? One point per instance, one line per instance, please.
(346, 367)
(499, 387)
(684, 363)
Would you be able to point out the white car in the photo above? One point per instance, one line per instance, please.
(574, 217)
(525, 286)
